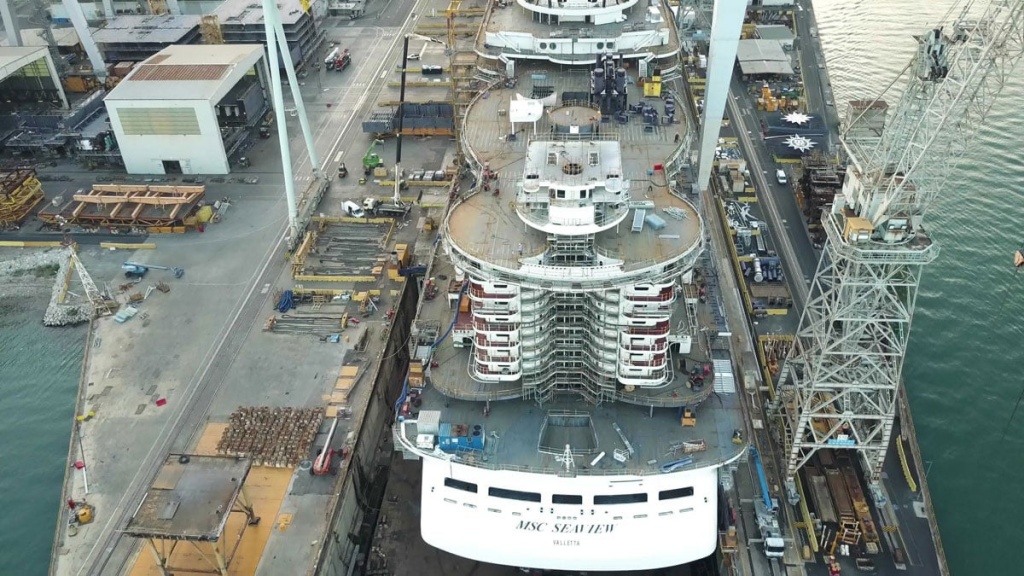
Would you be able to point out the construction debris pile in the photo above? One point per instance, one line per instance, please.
(276, 437)
(60, 312)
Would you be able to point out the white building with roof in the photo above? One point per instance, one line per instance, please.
(29, 69)
(187, 108)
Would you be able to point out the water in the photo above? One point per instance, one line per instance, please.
(39, 370)
(961, 372)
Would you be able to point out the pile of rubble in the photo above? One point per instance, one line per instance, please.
(276, 437)
(67, 314)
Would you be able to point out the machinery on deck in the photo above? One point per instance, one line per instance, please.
(136, 270)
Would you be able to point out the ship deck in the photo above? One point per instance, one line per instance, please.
(517, 19)
(487, 226)
(517, 439)
(649, 418)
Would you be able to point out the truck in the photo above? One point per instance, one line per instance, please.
(387, 209)
(342, 60)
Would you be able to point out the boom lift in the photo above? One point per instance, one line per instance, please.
(839, 386)
(136, 270)
(766, 509)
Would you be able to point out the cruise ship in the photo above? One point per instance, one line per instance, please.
(571, 396)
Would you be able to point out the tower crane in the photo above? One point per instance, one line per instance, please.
(840, 383)
(101, 306)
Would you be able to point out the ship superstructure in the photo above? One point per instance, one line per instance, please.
(564, 398)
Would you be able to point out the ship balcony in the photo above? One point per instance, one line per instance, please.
(645, 313)
(657, 329)
(478, 292)
(483, 341)
(659, 345)
(533, 306)
(642, 294)
(482, 325)
(605, 307)
(643, 360)
(506, 357)
(534, 337)
(534, 296)
(493, 314)
(494, 373)
(643, 378)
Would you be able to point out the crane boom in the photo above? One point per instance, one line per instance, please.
(840, 382)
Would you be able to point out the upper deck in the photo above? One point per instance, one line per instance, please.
(487, 227)
(519, 433)
(576, 31)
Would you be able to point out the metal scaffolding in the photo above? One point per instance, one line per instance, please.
(840, 383)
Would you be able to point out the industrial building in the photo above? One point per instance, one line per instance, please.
(241, 22)
(760, 58)
(189, 109)
(28, 75)
(135, 38)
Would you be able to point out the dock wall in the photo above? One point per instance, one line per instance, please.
(908, 432)
(65, 491)
(352, 514)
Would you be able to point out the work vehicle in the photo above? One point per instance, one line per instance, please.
(378, 208)
(136, 270)
(352, 209)
(371, 159)
(342, 60)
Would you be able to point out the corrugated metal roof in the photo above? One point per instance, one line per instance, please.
(193, 72)
(188, 72)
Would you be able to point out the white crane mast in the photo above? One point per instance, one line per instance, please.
(840, 383)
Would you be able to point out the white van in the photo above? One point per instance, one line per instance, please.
(780, 175)
(352, 209)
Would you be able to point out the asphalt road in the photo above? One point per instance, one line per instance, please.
(332, 112)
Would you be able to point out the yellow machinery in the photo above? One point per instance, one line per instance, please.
(84, 513)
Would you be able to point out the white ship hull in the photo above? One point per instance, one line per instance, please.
(586, 536)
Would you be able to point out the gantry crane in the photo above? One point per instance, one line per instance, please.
(840, 383)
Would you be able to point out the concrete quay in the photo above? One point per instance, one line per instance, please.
(202, 347)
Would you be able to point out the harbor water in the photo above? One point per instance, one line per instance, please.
(39, 371)
(962, 370)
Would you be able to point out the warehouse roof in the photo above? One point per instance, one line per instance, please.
(147, 29)
(250, 12)
(14, 59)
(774, 32)
(763, 57)
(185, 72)
(33, 37)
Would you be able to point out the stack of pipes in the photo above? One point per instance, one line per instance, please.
(275, 437)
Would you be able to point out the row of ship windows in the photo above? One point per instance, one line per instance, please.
(554, 45)
(599, 499)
